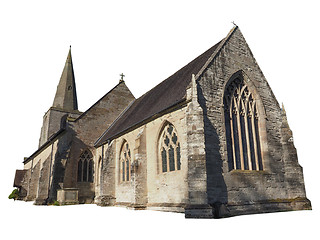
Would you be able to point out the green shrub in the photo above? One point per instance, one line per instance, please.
(14, 195)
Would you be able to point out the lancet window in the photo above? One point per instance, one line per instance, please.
(242, 127)
(170, 152)
(125, 162)
(85, 167)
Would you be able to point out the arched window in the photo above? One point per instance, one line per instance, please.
(125, 162)
(169, 149)
(85, 167)
(242, 127)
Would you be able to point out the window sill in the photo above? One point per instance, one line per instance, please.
(169, 172)
(248, 172)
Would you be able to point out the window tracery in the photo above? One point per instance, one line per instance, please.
(170, 156)
(85, 167)
(242, 127)
(125, 162)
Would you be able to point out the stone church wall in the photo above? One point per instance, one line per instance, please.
(168, 189)
(132, 193)
(33, 182)
(241, 187)
(39, 174)
(86, 130)
(204, 185)
(124, 191)
(105, 195)
(148, 187)
(54, 120)
(44, 179)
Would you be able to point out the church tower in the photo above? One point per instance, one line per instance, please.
(65, 104)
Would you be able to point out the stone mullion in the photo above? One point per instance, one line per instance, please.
(129, 162)
(168, 158)
(175, 157)
(167, 154)
(247, 136)
(232, 139)
(125, 170)
(127, 167)
(87, 170)
(163, 146)
(254, 138)
(161, 162)
(123, 166)
(240, 136)
(121, 169)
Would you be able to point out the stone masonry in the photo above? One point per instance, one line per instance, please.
(210, 141)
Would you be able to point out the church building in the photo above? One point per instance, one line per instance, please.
(210, 141)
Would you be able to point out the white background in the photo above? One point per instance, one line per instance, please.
(148, 41)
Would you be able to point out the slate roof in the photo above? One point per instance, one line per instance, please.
(163, 96)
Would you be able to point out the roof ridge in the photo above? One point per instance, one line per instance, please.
(167, 93)
(180, 69)
(215, 53)
(85, 112)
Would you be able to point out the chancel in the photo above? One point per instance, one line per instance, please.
(210, 141)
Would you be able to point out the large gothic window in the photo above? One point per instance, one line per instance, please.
(85, 167)
(170, 156)
(242, 127)
(125, 162)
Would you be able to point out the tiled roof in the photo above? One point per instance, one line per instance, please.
(165, 95)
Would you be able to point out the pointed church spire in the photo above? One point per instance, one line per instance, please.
(66, 95)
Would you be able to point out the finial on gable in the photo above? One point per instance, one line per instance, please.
(121, 79)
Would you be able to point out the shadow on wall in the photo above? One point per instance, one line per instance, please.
(216, 186)
(59, 164)
(239, 192)
(69, 149)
